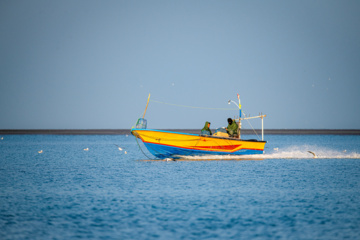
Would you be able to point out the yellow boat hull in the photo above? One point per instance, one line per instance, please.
(167, 144)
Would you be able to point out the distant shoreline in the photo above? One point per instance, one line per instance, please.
(127, 131)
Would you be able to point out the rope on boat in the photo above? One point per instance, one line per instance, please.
(164, 156)
(178, 105)
(251, 126)
(224, 109)
(151, 148)
(141, 148)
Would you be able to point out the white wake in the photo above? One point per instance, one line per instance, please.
(292, 152)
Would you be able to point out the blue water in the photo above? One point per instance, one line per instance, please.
(66, 192)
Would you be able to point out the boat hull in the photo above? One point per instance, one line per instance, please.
(167, 144)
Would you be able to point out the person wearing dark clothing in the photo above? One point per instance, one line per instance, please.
(206, 129)
(232, 128)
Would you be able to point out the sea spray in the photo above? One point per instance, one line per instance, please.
(290, 152)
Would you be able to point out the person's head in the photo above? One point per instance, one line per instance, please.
(209, 124)
(230, 121)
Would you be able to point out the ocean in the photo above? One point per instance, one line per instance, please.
(85, 187)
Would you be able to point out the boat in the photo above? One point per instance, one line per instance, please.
(165, 144)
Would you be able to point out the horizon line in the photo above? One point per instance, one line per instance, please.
(128, 131)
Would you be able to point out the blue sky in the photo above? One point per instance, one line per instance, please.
(92, 64)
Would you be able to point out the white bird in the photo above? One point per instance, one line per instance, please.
(276, 149)
(86, 149)
(41, 151)
(120, 149)
(125, 152)
(2, 138)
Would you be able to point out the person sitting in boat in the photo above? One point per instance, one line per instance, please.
(206, 129)
(232, 128)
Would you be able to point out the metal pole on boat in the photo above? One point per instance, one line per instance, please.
(239, 128)
(239, 105)
(262, 127)
(146, 105)
(238, 96)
